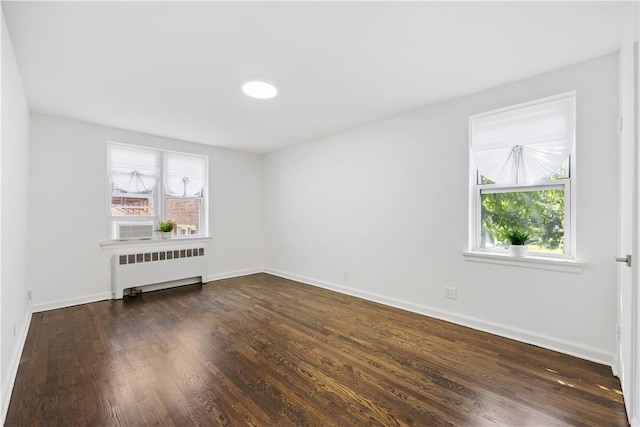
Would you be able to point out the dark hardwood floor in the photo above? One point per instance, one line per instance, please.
(265, 351)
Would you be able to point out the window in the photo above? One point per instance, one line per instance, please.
(152, 185)
(522, 168)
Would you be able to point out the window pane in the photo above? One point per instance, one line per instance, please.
(540, 212)
(132, 206)
(185, 212)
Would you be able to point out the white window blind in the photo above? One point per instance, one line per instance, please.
(524, 145)
(133, 171)
(185, 176)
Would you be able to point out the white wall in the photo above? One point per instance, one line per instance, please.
(14, 178)
(69, 208)
(388, 203)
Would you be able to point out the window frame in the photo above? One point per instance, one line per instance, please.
(568, 184)
(158, 194)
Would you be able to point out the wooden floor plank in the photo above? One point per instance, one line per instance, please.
(265, 351)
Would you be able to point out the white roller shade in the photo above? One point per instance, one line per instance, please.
(133, 171)
(526, 144)
(185, 176)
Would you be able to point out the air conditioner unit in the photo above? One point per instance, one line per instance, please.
(134, 230)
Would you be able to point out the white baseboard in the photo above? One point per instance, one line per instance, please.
(529, 337)
(615, 366)
(62, 303)
(232, 274)
(14, 363)
(102, 296)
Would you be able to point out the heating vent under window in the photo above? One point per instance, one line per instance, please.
(156, 267)
(134, 230)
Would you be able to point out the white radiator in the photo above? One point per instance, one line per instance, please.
(159, 266)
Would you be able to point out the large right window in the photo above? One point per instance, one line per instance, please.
(522, 174)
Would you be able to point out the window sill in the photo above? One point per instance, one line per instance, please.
(540, 263)
(116, 244)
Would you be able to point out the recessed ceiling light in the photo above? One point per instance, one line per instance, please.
(260, 90)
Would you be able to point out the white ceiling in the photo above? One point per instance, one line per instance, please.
(176, 69)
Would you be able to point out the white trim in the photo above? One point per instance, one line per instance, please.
(630, 375)
(136, 244)
(540, 263)
(615, 366)
(525, 104)
(633, 401)
(169, 285)
(554, 184)
(63, 303)
(103, 296)
(14, 363)
(232, 274)
(567, 347)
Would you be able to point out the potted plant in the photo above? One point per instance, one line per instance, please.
(165, 228)
(518, 240)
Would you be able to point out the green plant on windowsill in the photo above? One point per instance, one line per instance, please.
(518, 237)
(165, 228)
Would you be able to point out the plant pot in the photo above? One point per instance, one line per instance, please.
(165, 235)
(518, 250)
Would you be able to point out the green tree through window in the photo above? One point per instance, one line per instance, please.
(540, 212)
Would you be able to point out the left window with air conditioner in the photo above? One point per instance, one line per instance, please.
(134, 174)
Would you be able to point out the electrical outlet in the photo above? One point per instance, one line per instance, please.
(345, 274)
(451, 293)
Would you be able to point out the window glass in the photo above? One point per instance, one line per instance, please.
(132, 205)
(185, 212)
(540, 212)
